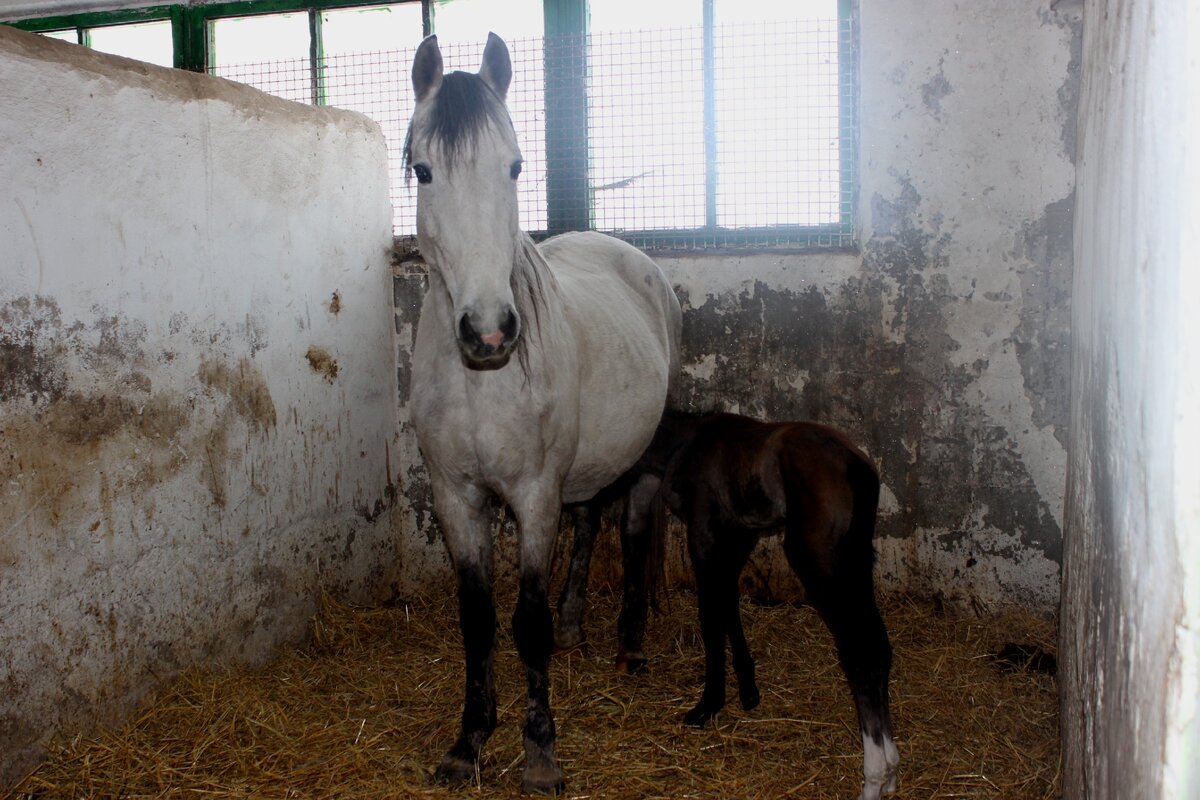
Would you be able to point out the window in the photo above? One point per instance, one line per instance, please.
(119, 33)
(686, 123)
(145, 41)
(721, 122)
(71, 36)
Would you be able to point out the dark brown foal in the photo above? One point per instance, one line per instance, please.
(733, 479)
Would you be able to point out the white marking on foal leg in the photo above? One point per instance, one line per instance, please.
(880, 765)
(893, 763)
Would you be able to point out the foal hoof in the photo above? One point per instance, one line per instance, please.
(892, 783)
(454, 771)
(632, 663)
(750, 698)
(568, 637)
(699, 716)
(543, 780)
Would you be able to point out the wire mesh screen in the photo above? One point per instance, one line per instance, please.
(377, 84)
(777, 119)
(646, 135)
(662, 137)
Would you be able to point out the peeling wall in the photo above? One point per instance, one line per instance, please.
(178, 477)
(1129, 641)
(943, 345)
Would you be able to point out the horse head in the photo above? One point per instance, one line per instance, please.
(463, 151)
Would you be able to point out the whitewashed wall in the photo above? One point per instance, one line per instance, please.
(1130, 629)
(194, 432)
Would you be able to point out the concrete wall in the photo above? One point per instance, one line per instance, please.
(1130, 632)
(194, 433)
(942, 345)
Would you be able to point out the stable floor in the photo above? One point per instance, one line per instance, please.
(368, 706)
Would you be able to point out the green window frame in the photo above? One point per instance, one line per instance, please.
(568, 194)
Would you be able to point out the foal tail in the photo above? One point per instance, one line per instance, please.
(656, 551)
(864, 481)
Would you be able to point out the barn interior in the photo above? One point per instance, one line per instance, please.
(208, 313)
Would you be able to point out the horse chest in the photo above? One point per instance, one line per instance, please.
(490, 435)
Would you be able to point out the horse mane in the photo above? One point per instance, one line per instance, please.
(529, 294)
(463, 107)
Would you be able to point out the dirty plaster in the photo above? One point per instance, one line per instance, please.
(177, 484)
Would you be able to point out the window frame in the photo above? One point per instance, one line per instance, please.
(568, 196)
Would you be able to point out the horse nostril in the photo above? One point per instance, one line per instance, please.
(484, 345)
(509, 326)
(466, 331)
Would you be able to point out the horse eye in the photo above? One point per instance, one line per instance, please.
(422, 172)
(515, 170)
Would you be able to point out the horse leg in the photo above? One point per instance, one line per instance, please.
(468, 539)
(568, 633)
(638, 544)
(838, 582)
(533, 632)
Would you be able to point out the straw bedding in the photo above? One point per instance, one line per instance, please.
(366, 708)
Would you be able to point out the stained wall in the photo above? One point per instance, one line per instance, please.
(941, 344)
(196, 385)
(1129, 641)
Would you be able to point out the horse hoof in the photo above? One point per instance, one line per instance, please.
(577, 648)
(750, 698)
(543, 780)
(454, 771)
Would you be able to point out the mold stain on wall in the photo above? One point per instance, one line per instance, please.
(322, 363)
(95, 463)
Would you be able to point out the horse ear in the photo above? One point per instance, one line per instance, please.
(427, 69)
(497, 66)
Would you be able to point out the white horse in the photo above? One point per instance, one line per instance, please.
(539, 376)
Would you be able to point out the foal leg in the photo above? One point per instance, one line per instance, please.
(533, 631)
(717, 558)
(638, 544)
(712, 605)
(839, 585)
(468, 538)
(743, 662)
(568, 633)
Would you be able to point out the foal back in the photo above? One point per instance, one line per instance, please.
(762, 477)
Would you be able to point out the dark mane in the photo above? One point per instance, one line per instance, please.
(463, 107)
